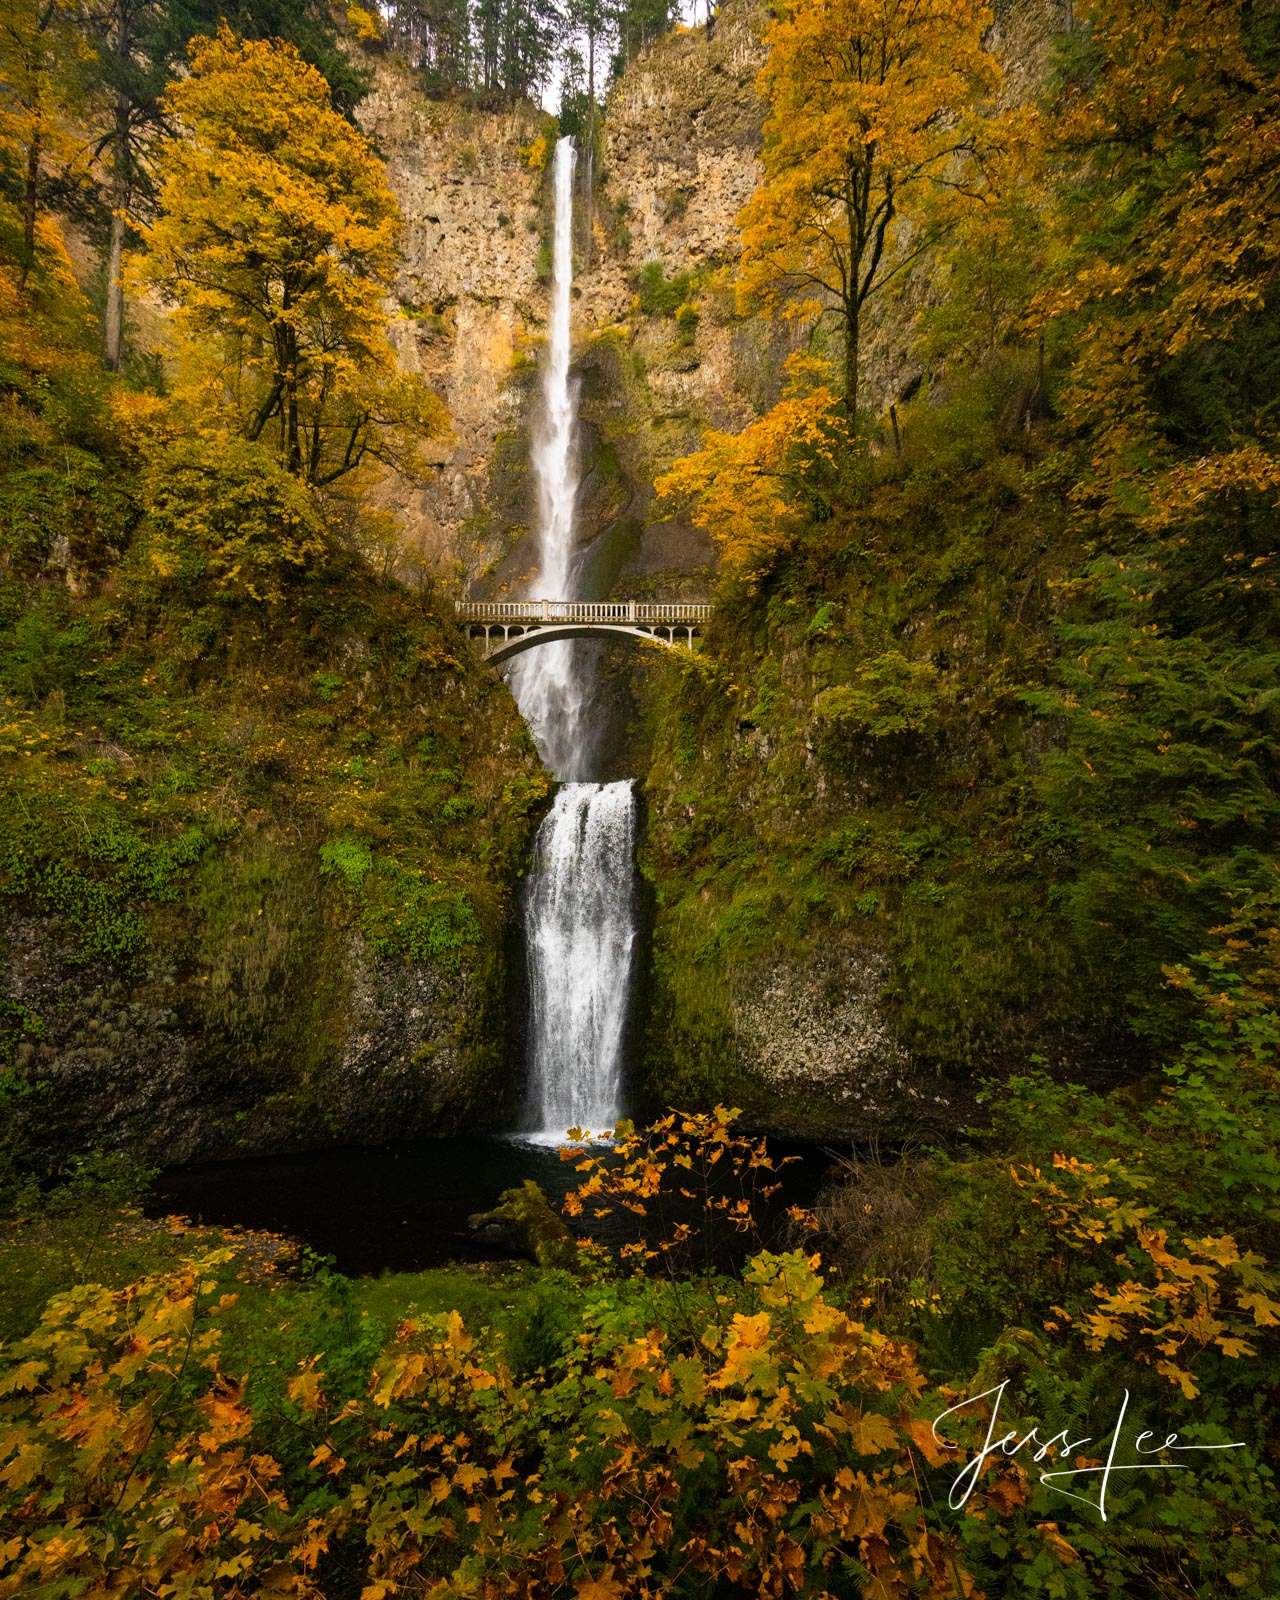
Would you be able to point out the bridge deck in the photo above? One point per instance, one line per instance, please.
(507, 628)
(550, 611)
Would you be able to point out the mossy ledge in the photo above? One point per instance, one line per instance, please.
(255, 866)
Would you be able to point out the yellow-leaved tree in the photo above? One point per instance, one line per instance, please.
(276, 240)
(871, 124)
(747, 489)
(40, 54)
(1176, 254)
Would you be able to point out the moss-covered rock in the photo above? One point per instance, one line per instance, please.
(524, 1224)
(258, 866)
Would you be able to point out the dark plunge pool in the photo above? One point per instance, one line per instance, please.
(401, 1207)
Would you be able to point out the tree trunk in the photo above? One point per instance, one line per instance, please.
(121, 189)
(851, 320)
(293, 443)
(30, 190)
(114, 330)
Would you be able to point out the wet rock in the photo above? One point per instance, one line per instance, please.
(407, 1052)
(523, 1224)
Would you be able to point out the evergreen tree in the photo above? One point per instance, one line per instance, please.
(593, 21)
(434, 37)
(640, 23)
(517, 45)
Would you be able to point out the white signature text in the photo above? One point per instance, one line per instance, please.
(1061, 1448)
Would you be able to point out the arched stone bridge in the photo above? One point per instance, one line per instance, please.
(505, 628)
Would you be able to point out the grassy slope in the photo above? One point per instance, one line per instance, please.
(776, 829)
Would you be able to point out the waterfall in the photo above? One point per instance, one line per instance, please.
(581, 917)
(546, 683)
(580, 905)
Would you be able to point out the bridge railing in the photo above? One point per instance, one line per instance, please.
(624, 611)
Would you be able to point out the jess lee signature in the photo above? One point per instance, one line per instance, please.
(1010, 1443)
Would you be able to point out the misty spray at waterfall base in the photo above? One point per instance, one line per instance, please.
(581, 906)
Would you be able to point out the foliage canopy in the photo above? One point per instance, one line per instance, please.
(871, 116)
(276, 240)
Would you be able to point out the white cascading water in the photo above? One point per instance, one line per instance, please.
(580, 921)
(545, 682)
(580, 906)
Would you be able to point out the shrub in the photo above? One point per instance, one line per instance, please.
(224, 515)
(661, 296)
(891, 697)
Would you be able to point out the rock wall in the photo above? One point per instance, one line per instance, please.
(819, 1058)
(471, 309)
(677, 160)
(681, 134)
(680, 139)
(142, 1062)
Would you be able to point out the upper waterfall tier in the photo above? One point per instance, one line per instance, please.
(548, 689)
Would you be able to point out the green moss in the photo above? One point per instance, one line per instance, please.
(405, 915)
(890, 697)
(193, 821)
(90, 867)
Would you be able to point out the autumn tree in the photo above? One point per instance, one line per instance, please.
(40, 53)
(136, 46)
(870, 121)
(749, 489)
(277, 241)
(1170, 248)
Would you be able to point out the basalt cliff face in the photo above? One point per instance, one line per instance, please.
(471, 309)
(661, 353)
(676, 160)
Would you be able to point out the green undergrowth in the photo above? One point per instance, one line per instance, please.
(225, 792)
(921, 738)
(1061, 1293)
(291, 1302)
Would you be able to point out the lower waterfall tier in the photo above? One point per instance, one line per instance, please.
(581, 919)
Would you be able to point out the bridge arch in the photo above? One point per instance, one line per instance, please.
(515, 644)
(503, 630)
